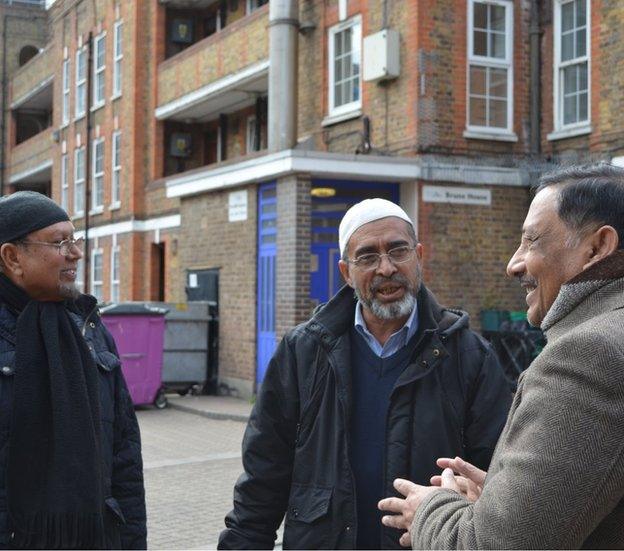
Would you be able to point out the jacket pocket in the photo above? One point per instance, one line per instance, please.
(113, 507)
(308, 503)
(107, 361)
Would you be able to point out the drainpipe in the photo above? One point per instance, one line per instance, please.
(534, 64)
(88, 171)
(283, 57)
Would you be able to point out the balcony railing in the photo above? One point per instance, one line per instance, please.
(30, 154)
(28, 78)
(241, 44)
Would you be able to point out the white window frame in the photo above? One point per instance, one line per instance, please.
(250, 134)
(97, 177)
(562, 130)
(117, 58)
(493, 132)
(64, 182)
(66, 90)
(251, 6)
(81, 83)
(99, 71)
(116, 171)
(80, 274)
(115, 285)
(79, 181)
(353, 105)
(97, 282)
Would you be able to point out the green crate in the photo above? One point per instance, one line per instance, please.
(492, 319)
(518, 315)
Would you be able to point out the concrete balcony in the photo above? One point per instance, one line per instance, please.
(32, 84)
(221, 74)
(30, 163)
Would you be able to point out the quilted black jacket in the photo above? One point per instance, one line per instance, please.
(452, 399)
(125, 520)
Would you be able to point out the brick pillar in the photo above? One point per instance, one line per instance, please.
(292, 281)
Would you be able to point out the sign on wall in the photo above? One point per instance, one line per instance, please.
(237, 206)
(459, 195)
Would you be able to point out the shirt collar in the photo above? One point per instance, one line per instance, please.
(409, 328)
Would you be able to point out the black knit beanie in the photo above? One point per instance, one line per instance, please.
(24, 212)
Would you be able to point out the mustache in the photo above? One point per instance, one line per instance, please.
(378, 281)
(527, 281)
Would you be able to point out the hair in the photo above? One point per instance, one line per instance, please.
(589, 196)
(410, 230)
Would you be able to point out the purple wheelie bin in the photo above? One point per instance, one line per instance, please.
(138, 330)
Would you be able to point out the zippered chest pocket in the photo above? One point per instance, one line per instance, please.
(7, 371)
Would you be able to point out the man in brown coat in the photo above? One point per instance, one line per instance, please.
(557, 476)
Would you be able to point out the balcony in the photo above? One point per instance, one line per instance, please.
(220, 74)
(33, 80)
(30, 163)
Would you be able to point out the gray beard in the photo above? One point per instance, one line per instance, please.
(390, 311)
(69, 290)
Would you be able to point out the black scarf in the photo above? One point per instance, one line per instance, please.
(54, 475)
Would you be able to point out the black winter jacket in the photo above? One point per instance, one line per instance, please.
(125, 520)
(452, 399)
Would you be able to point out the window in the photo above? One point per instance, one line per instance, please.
(116, 187)
(253, 5)
(251, 140)
(64, 183)
(65, 114)
(79, 181)
(97, 275)
(99, 65)
(345, 42)
(117, 57)
(97, 202)
(80, 275)
(81, 82)
(572, 63)
(490, 70)
(115, 285)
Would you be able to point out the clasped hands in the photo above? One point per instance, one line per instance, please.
(458, 475)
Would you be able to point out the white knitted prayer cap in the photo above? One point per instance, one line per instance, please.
(364, 212)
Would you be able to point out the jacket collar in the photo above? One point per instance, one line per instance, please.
(585, 294)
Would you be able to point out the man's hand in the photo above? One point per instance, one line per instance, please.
(469, 479)
(406, 508)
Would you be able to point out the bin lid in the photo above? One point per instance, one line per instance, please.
(132, 309)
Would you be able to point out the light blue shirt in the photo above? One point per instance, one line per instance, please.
(396, 341)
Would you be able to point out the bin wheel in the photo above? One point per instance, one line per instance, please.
(161, 400)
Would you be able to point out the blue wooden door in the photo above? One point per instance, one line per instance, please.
(267, 252)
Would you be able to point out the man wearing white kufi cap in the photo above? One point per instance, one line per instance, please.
(380, 383)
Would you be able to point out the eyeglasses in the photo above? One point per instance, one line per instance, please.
(64, 247)
(371, 261)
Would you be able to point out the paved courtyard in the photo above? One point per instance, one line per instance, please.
(191, 464)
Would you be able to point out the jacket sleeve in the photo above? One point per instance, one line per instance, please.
(261, 492)
(559, 467)
(489, 398)
(127, 481)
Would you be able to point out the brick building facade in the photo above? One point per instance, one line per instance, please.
(193, 203)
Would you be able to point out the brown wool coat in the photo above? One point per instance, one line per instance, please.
(557, 476)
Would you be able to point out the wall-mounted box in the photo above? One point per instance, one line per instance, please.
(381, 56)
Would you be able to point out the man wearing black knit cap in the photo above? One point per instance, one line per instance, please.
(71, 474)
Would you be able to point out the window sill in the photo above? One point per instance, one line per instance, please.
(79, 117)
(569, 133)
(494, 136)
(96, 210)
(342, 117)
(77, 216)
(115, 96)
(64, 125)
(97, 106)
(115, 206)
